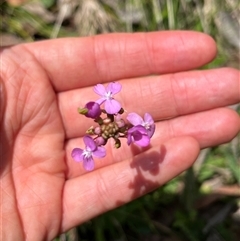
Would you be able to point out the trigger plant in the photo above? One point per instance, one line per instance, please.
(107, 114)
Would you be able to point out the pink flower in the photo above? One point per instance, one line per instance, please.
(138, 134)
(147, 122)
(111, 105)
(86, 155)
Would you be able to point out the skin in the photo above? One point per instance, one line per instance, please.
(43, 191)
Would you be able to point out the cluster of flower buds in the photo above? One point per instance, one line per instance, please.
(136, 129)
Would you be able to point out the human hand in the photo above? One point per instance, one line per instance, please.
(43, 191)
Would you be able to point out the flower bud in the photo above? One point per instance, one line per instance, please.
(104, 136)
(117, 143)
(90, 131)
(120, 123)
(100, 141)
(107, 121)
(121, 111)
(97, 130)
(91, 110)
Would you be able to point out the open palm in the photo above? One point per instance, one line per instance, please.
(43, 191)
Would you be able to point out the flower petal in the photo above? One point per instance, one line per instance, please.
(99, 89)
(148, 119)
(138, 128)
(100, 152)
(143, 141)
(77, 154)
(88, 164)
(138, 134)
(134, 119)
(114, 87)
(129, 139)
(112, 106)
(101, 100)
(151, 130)
(89, 142)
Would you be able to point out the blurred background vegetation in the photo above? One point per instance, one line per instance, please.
(203, 203)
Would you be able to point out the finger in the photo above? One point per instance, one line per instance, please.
(165, 96)
(104, 189)
(209, 128)
(78, 62)
(2, 100)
